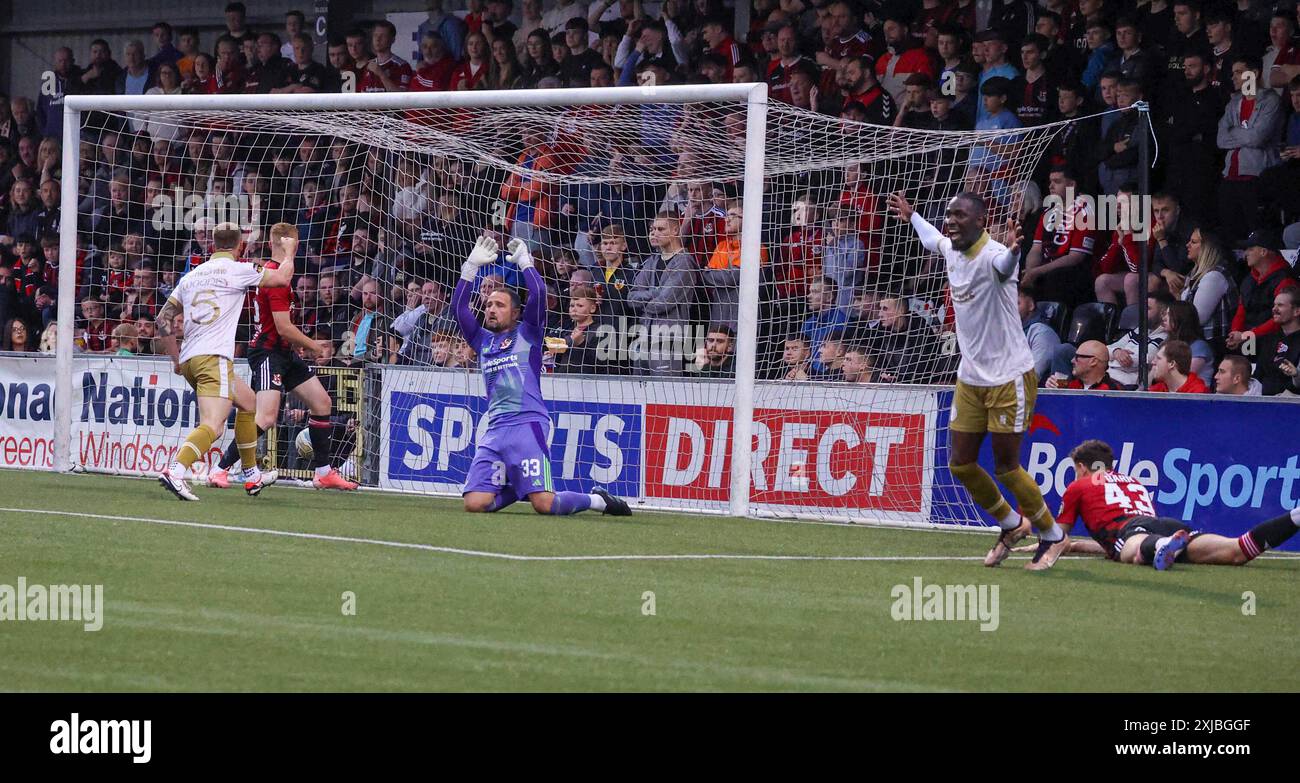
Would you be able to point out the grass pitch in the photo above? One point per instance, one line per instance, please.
(439, 605)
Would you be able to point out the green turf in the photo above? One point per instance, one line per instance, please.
(197, 609)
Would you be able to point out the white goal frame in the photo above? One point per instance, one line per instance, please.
(753, 96)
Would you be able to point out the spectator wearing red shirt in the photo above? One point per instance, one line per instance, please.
(1060, 259)
(230, 67)
(784, 63)
(848, 40)
(204, 79)
(1088, 371)
(1269, 275)
(720, 42)
(1118, 267)
(385, 72)
(94, 331)
(859, 85)
(799, 256)
(903, 57)
(475, 66)
(435, 66)
(703, 222)
(1172, 370)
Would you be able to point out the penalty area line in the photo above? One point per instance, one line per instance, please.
(475, 552)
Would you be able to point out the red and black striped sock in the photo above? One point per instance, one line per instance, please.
(1267, 535)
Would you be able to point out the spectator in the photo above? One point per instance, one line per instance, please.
(903, 348)
(555, 19)
(1269, 275)
(1129, 56)
(1219, 35)
(204, 79)
(914, 109)
(135, 78)
(664, 287)
(189, 50)
(1233, 378)
(1037, 88)
(475, 66)
(417, 326)
(1279, 185)
(269, 72)
(994, 47)
(146, 332)
(539, 63)
(722, 275)
(1170, 370)
(1089, 373)
(331, 314)
(824, 318)
(788, 56)
(385, 72)
(716, 358)
(829, 365)
(505, 72)
(1195, 106)
(1187, 36)
(857, 366)
(844, 259)
(1171, 228)
(1248, 133)
(577, 348)
(305, 74)
(165, 52)
(614, 278)
(858, 83)
(433, 72)
(1181, 324)
(294, 21)
(1119, 149)
(1279, 350)
(94, 329)
(18, 337)
(1043, 339)
(23, 210)
(903, 57)
(1061, 256)
(236, 29)
(529, 198)
(1118, 266)
(581, 58)
(125, 340)
(448, 27)
(1209, 287)
(1100, 47)
(1282, 59)
(795, 358)
(230, 67)
(102, 77)
(141, 300)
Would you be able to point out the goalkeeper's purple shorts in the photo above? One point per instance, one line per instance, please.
(513, 456)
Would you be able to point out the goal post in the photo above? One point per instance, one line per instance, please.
(734, 324)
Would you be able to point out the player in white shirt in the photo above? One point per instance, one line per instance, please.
(211, 298)
(996, 382)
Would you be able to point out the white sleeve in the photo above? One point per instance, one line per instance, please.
(1006, 263)
(249, 275)
(405, 323)
(930, 236)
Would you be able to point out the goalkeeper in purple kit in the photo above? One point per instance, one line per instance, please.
(512, 461)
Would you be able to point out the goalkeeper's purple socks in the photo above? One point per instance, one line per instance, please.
(565, 503)
(504, 498)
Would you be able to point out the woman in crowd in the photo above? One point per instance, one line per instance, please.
(1181, 323)
(18, 337)
(1209, 288)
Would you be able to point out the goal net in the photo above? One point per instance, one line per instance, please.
(717, 268)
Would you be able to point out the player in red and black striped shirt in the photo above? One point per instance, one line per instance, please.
(277, 368)
(1119, 513)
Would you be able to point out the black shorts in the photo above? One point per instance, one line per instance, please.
(279, 371)
(1152, 526)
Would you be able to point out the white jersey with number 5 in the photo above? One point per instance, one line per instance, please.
(994, 349)
(212, 295)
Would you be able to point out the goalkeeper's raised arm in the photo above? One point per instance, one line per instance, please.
(485, 252)
(535, 308)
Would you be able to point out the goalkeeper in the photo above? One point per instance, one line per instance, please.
(996, 382)
(512, 461)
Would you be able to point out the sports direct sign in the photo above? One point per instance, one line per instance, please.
(129, 415)
(811, 457)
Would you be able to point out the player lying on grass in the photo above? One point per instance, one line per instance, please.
(1119, 513)
(512, 461)
(211, 298)
(276, 368)
(996, 382)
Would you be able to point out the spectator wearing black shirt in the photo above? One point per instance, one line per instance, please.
(1171, 228)
(1035, 90)
(1279, 352)
(717, 357)
(1129, 57)
(1187, 37)
(271, 71)
(576, 68)
(1191, 129)
(305, 74)
(101, 77)
(1224, 48)
(1157, 26)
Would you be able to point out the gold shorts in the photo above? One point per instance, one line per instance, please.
(210, 376)
(1005, 408)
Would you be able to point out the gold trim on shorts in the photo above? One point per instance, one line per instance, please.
(210, 376)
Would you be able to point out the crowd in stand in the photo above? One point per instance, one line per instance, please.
(383, 234)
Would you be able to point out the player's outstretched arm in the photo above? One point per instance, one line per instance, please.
(167, 335)
(930, 236)
(535, 307)
(484, 252)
